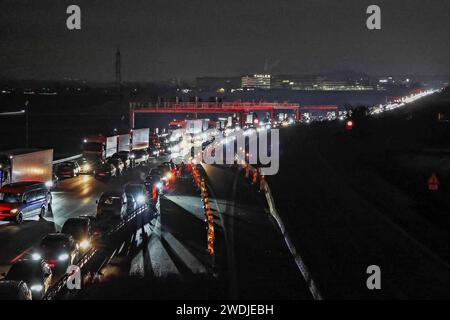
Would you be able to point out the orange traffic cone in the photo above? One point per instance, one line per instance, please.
(247, 171)
(255, 176)
(433, 183)
(262, 182)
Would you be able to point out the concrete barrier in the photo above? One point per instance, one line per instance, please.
(298, 259)
(78, 156)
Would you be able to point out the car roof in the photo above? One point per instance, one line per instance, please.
(112, 194)
(134, 185)
(56, 236)
(67, 163)
(20, 187)
(77, 220)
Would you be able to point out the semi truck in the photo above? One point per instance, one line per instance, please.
(124, 142)
(140, 138)
(26, 165)
(194, 126)
(100, 147)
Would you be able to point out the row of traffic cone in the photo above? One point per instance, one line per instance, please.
(253, 174)
(209, 217)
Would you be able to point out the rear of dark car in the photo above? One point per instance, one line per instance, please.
(66, 170)
(110, 206)
(104, 171)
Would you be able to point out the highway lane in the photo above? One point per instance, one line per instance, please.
(163, 255)
(258, 263)
(72, 197)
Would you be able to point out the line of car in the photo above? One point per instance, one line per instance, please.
(114, 166)
(32, 276)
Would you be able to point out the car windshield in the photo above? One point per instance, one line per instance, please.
(75, 228)
(110, 201)
(93, 146)
(134, 189)
(10, 197)
(54, 243)
(67, 166)
(155, 172)
(105, 167)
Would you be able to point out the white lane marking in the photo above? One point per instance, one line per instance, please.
(184, 254)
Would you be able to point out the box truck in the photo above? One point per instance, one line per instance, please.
(26, 165)
(100, 147)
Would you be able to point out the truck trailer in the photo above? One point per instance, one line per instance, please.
(26, 165)
(100, 147)
(140, 138)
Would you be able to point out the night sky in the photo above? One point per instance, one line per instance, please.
(162, 39)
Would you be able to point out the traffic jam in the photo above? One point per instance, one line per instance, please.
(141, 165)
(29, 178)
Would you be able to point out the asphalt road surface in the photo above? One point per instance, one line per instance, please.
(72, 197)
(162, 255)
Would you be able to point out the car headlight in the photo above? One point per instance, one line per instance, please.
(37, 287)
(86, 167)
(85, 244)
(36, 256)
(140, 199)
(13, 211)
(159, 185)
(155, 152)
(49, 184)
(63, 257)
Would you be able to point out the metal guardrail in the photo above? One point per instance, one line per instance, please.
(78, 156)
(61, 284)
(298, 259)
(291, 247)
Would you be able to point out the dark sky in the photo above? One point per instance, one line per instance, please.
(161, 39)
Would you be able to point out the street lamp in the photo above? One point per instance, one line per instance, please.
(21, 113)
